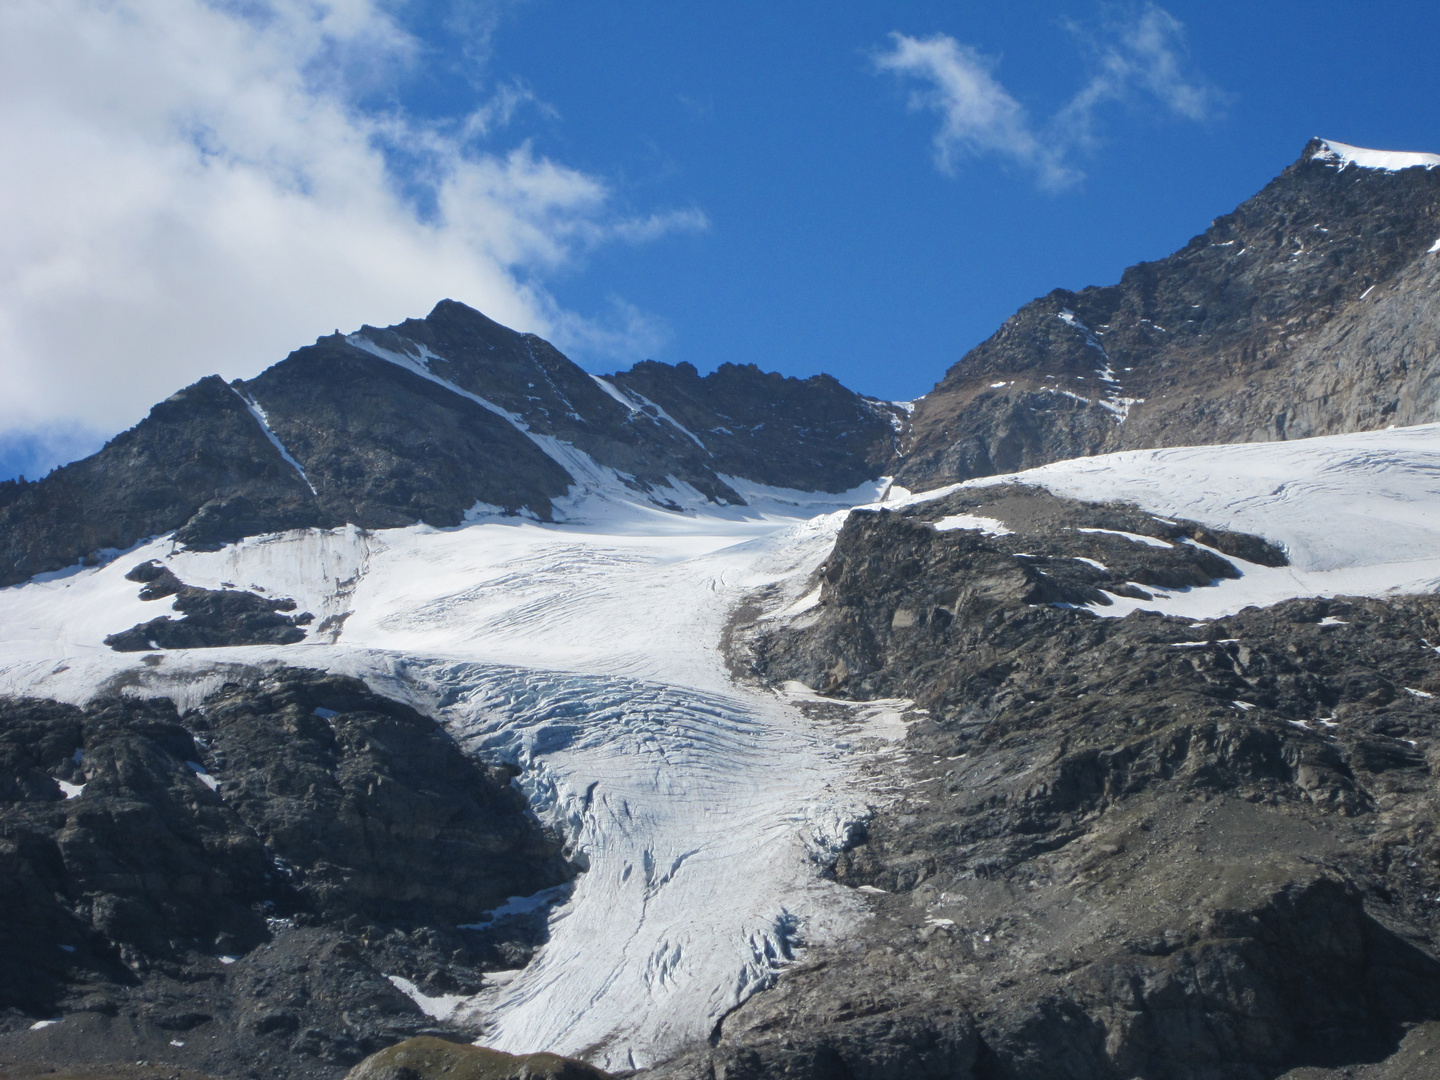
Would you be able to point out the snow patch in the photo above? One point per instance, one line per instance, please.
(650, 407)
(263, 420)
(1322, 500)
(1148, 541)
(520, 905)
(71, 791)
(987, 525)
(203, 776)
(806, 603)
(1111, 399)
(616, 393)
(442, 1007)
(1387, 160)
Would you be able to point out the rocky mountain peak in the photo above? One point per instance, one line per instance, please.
(1302, 312)
(433, 420)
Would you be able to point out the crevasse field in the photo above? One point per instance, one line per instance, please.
(588, 652)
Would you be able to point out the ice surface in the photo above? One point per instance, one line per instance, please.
(1389, 160)
(589, 654)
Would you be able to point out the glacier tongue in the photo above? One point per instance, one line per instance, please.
(590, 655)
(697, 815)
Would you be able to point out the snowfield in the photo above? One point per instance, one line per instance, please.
(589, 653)
(1358, 515)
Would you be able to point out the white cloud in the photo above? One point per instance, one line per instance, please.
(1135, 59)
(977, 114)
(188, 187)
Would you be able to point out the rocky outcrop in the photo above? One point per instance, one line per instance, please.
(811, 434)
(199, 464)
(423, 422)
(1118, 847)
(429, 1058)
(1309, 310)
(244, 878)
(210, 618)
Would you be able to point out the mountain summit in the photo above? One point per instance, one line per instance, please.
(429, 421)
(1309, 310)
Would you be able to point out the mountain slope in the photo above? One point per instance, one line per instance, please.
(1121, 767)
(428, 421)
(1310, 310)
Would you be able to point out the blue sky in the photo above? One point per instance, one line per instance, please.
(865, 189)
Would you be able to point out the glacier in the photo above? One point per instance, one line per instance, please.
(701, 807)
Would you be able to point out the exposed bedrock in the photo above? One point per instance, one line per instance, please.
(429, 1058)
(1117, 847)
(248, 873)
(422, 422)
(1309, 310)
(209, 618)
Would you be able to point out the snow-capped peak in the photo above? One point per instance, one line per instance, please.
(1390, 160)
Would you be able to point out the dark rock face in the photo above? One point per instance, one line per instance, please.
(199, 463)
(529, 378)
(385, 447)
(315, 834)
(1310, 310)
(210, 617)
(1137, 847)
(811, 434)
(419, 422)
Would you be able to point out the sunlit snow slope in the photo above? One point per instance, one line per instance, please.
(1357, 514)
(589, 653)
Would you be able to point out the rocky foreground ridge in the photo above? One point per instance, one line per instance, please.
(252, 926)
(1124, 847)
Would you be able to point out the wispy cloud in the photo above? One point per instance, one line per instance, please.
(195, 186)
(1134, 57)
(977, 114)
